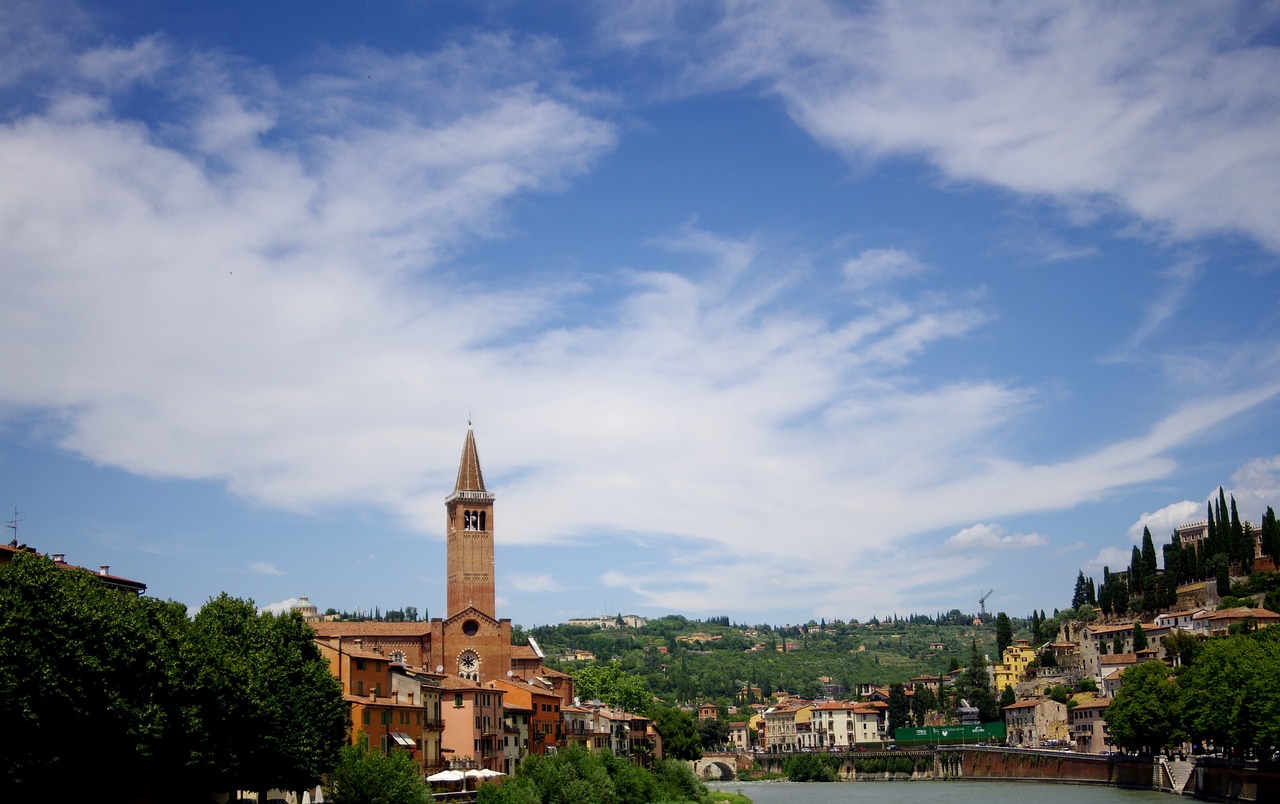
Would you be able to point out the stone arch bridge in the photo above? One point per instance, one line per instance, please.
(716, 767)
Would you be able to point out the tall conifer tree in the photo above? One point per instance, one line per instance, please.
(1149, 567)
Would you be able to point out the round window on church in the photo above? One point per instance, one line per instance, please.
(470, 628)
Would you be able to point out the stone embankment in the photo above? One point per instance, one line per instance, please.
(1206, 778)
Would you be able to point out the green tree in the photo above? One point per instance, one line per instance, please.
(371, 777)
(1139, 638)
(1004, 633)
(713, 733)
(974, 686)
(922, 703)
(679, 731)
(1182, 646)
(899, 707)
(78, 658)
(1149, 568)
(614, 686)
(1007, 696)
(1081, 594)
(809, 768)
(1229, 696)
(1143, 715)
(1136, 578)
(266, 712)
(1270, 534)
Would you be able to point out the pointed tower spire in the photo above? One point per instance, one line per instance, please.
(470, 478)
(469, 553)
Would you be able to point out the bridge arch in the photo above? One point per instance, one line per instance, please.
(715, 770)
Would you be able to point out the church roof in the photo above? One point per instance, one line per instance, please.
(470, 477)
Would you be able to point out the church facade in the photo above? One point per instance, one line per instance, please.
(471, 642)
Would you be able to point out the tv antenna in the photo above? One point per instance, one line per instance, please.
(13, 526)
(982, 603)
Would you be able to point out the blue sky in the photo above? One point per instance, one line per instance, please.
(768, 310)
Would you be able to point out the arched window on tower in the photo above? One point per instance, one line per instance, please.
(466, 520)
(482, 522)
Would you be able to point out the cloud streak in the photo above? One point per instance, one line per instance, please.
(1167, 114)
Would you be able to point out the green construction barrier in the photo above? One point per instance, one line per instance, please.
(951, 735)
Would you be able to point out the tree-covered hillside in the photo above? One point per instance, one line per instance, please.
(685, 660)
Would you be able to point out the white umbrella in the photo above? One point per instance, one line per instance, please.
(319, 797)
(446, 776)
(489, 774)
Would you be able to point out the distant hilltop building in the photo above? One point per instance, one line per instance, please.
(306, 609)
(610, 621)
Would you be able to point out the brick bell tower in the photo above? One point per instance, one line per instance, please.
(470, 537)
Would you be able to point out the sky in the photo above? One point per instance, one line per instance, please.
(775, 311)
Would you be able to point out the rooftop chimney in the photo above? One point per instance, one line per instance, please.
(59, 558)
(103, 570)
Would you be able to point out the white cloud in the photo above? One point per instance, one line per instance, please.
(1256, 486)
(264, 568)
(880, 265)
(279, 607)
(1162, 522)
(1117, 558)
(540, 583)
(992, 537)
(1168, 113)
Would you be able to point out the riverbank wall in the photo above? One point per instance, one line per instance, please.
(1234, 782)
(993, 764)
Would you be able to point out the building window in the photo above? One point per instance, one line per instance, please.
(366, 717)
(457, 701)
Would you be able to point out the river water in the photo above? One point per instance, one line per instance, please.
(953, 792)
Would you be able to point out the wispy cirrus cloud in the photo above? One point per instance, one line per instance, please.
(1144, 108)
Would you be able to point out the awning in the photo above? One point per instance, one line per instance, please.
(403, 739)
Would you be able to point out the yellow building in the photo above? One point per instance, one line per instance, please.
(1013, 665)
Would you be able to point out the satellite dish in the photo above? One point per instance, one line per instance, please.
(439, 668)
(511, 673)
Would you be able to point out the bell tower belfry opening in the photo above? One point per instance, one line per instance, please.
(469, 558)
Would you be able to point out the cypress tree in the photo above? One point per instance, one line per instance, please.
(1239, 550)
(1090, 593)
(1135, 570)
(1139, 638)
(1149, 567)
(1081, 593)
(1004, 634)
(1224, 526)
(1270, 534)
(1104, 592)
(1120, 598)
(1210, 544)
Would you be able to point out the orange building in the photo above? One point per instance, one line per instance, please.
(391, 705)
(546, 725)
(474, 729)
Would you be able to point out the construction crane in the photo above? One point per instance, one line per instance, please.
(982, 604)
